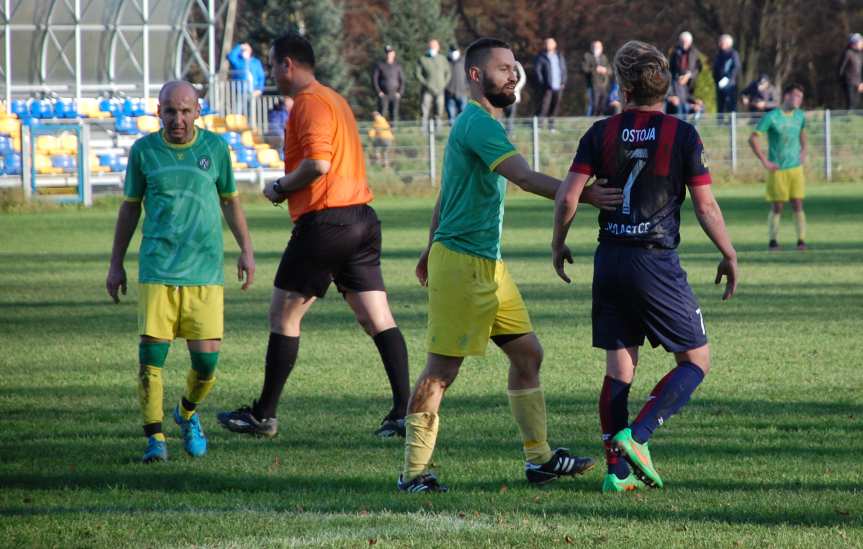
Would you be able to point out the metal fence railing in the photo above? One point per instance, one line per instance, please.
(835, 140)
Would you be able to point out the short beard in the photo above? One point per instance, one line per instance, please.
(498, 100)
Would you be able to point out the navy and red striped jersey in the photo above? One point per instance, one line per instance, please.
(652, 157)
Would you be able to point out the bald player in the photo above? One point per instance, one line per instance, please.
(182, 176)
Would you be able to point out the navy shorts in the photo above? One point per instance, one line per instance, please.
(640, 292)
(341, 245)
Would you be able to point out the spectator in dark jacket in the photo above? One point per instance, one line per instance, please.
(550, 69)
(726, 71)
(760, 95)
(850, 71)
(389, 82)
(456, 90)
(685, 66)
(597, 72)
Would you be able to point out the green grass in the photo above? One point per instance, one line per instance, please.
(767, 454)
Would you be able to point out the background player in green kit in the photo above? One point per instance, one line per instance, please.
(182, 176)
(785, 127)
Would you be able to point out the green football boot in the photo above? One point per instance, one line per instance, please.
(638, 456)
(612, 484)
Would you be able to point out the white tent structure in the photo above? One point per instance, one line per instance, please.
(81, 48)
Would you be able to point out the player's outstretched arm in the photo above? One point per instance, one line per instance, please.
(565, 206)
(236, 218)
(756, 148)
(422, 268)
(516, 169)
(127, 221)
(710, 217)
(305, 174)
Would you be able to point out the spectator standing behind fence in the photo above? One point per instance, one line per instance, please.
(760, 95)
(685, 66)
(510, 111)
(456, 89)
(850, 71)
(247, 72)
(389, 82)
(432, 72)
(550, 69)
(726, 71)
(597, 73)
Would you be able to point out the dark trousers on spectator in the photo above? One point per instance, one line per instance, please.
(852, 97)
(726, 99)
(429, 102)
(597, 100)
(388, 106)
(548, 106)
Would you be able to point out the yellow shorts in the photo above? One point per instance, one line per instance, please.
(783, 185)
(470, 299)
(190, 312)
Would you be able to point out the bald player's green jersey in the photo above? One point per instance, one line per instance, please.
(783, 136)
(181, 186)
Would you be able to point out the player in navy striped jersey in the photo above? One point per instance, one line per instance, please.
(639, 288)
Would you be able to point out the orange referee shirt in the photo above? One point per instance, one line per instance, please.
(322, 127)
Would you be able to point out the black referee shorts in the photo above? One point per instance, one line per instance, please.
(341, 245)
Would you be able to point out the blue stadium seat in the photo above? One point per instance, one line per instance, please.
(232, 139)
(5, 145)
(41, 108)
(126, 125)
(107, 159)
(19, 108)
(12, 164)
(63, 161)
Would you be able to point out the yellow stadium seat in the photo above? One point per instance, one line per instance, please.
(89, 107)
(267, 157)
(236, 122)
(67, 144)
(199, 123)
(151, 106)
(16, 143)
(247, 138)
(239, 165)
(46, 144)
(10, 126)
(148, 124)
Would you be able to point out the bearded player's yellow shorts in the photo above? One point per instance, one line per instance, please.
(190, 312)
(470, 299)
(784, 185)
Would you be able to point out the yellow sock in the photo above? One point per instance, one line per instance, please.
(150, 394)
(800, 224)
(773, 225)
(420, 437)
(197, 390)
(528, 409)
(159, 437)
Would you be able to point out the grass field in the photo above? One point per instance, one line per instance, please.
(767, 454)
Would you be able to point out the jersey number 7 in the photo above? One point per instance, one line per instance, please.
(640, 156)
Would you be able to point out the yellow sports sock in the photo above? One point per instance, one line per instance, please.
(800, 224)
(159, 436)
(197, 390)
(150, 394)
(528, 409)
(773, 225)
(420, 437)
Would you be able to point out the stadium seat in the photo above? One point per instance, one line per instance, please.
(269, 158)
(10, 126)
(43, 165)
(12, 164)
(247, 138)
(125, 125)
(148, 124)
(89, 107)
(67, 143)
(151, 105)
(19, 108)
(63, 161)
(236, 122)
(46, 144)
(239, 166)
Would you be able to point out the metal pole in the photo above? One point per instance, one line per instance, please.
(77, 52)
(145, 9)
(84, 164)
(432, 159)
(211, 46)
(733, 136)
(828, 153)
(536, 143)
(7, 38)
(26, 161)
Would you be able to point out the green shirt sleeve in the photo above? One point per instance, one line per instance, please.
(226, 184)
(135, 183)
(487, 139)
(765, 122)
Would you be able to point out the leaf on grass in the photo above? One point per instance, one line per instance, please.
(300, 509)
(427, 504)
(843, 512)
(461, 515)
(503, 489)
(372, 541)
(568, 540)
(536, 499)
(364, 512)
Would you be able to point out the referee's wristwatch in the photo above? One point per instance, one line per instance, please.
(277, 187)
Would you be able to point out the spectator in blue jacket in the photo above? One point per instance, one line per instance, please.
(248, 71)
(726, 71)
